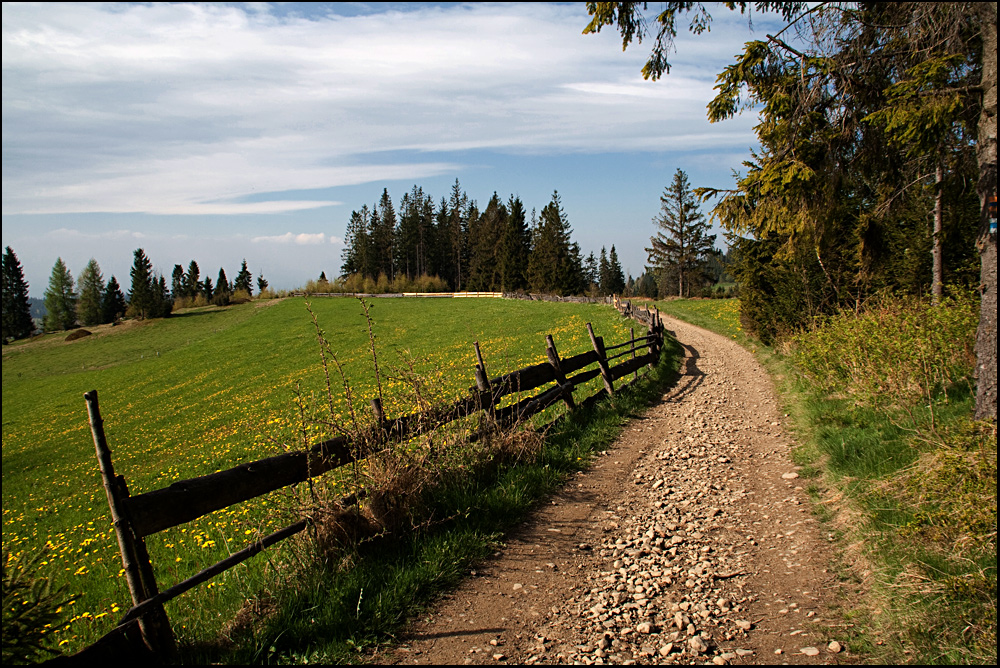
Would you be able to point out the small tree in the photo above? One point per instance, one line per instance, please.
(60, 299)
(244, 281)
(223, 290)
(679, 251)
(113, 305)
(140, 297)
(616, 277)
(91, 284)
(192, 281)
(261, 283)
(17, 322)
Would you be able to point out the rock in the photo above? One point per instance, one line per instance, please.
(744, 652)
(743, 624)
(498, 657)
(719, 661)
(791, 475)
(604, 642)
(697, 645)
(834, 647)
(644, 628)
(667, 649)
(778, 651)
(809, 651)
(518, 587)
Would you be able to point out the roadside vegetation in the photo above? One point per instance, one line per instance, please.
(215, 386)
(882, 401)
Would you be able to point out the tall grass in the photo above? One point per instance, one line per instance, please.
(882, 401)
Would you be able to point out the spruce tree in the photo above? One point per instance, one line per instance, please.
(244, 281)
(679, 251)
(603, 272)
(616, 277)
(192, 282)
(223, 290)
(177, 282)
(516, 248)
(91, 284)
(60, 299)
(17, 322)
(113, 304)
(140, 297)
(261, 283)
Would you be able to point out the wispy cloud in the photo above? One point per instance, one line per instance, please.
(174, 108)
(302, 239)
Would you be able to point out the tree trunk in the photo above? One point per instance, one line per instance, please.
(937, 289)
(986, 150)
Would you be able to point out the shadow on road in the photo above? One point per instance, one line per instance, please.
(691, 377)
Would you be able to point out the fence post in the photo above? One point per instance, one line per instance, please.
(598, 343)
(482, 379)
(553, 355)
(635, 374)
(154, 625)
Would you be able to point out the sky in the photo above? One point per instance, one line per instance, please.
(218, 132)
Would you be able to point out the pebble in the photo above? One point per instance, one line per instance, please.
(834, 647)
(809, 651)
(670, 581)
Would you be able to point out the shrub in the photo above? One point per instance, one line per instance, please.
(896, 353)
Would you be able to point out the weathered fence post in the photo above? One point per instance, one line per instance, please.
(154, 625)
(483, 380)
(635, 374)
(602, 361)
(553, 355)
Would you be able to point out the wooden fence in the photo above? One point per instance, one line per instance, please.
(145, 625)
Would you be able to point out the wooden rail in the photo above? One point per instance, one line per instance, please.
(135, 517)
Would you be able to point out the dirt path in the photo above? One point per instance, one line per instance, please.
(690, 540)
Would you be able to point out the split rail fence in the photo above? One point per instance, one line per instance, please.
(146, 627)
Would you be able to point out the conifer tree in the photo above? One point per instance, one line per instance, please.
(485, 238)
(603, 272)
(244, 281)
(192, 282)
(206, 288)
(140, 297)
(223, 290)
(516, 248)
(590, 270)
(113, 305)
(177, 282)
(616, 277)
(60, 299)
(679, 251)
(17, 322)
(261, 283)
(91, 284)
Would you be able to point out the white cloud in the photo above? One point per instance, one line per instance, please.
(302, 239)
(189, 109)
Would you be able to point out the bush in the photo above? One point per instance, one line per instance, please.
(897, 353)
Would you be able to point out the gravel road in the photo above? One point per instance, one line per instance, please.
(689, 541)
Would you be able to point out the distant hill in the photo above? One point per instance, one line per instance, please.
(37, 307)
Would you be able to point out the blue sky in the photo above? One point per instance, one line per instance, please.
(223, 132)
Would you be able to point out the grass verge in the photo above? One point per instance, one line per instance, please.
(908, 485)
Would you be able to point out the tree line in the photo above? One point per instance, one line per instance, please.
(91, 301)
(876, 170)
(498, 249)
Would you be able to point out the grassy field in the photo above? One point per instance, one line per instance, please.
(208, 389)
(881, 404)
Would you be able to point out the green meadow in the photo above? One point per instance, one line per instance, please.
(208, 389)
